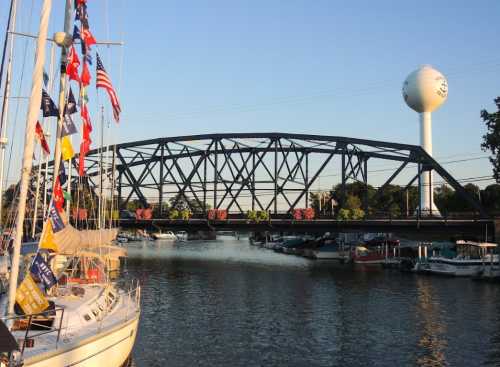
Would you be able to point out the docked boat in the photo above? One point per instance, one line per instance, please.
(89, 322)
(293, 244)
(62, 309)
(467, 258)
(182, 236)
(164, 235)
(329, 251)
(376, 252)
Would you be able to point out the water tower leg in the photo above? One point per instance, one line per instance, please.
(427, 206)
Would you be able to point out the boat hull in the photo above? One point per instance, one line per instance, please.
(330, 255)
(455, 267)
(110, 348)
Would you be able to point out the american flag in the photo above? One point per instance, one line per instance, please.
(103, 81)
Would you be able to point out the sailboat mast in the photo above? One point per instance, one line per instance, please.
(101, 191)
(68, 15)
(32, 117)
(12, 4)
(42, 158)
(6, 95)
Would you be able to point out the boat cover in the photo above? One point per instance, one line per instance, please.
(70, 240)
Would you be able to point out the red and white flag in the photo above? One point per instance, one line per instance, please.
(73, 63)
(41, 138)
(103, 81)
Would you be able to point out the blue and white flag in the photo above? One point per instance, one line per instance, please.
(48, 106)
(62, 174)
(70, 107)
(55, 218)
(68, 126)
(41, 270)
(76, 33)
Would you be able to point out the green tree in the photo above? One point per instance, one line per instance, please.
(352, 202)
(474, 192)
(491, 140)
(443, 198)
(490, 198)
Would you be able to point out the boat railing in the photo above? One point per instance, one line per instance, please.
(133, 299)
(21, 322)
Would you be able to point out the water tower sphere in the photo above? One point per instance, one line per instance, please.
(425, 89)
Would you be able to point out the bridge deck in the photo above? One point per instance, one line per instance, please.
(427, 228)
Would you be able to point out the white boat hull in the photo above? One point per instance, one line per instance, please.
(111, 348)
(455, 267)
(329, 255)
(164, 236)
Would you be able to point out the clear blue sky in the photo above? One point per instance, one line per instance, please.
(321, 67)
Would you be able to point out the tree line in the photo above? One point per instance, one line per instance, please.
(358, 201)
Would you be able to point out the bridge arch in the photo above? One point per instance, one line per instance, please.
(256, 171)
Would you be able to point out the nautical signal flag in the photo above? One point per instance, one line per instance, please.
(48, 106)
(76, 33)
(86, 117)
(85, 77)
(41, 138)
(84, 149)
(86, 141)
(30, 298)
(58, 196)
(41, 270)
(103, 81)
(62, 174)
(88, 58)
(55, 218)
(72, 65)
(68, 126)
(70, 107)
(87, 37)
(66, 148)
(47, 241)
(81, 12)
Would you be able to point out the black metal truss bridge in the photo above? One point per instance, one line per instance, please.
(272, 172)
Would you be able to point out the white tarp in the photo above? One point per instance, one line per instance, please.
(70, 240)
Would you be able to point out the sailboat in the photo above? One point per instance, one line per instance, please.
(65, 311)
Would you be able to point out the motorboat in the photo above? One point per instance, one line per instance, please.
(329, 251)
(181, 236)
(467, 258)
(169, 235)
(376, 252)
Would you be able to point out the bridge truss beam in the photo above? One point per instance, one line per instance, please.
(274, 172)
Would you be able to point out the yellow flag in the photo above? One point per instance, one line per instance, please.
(66, 148)
(30, 297)
(47, 241)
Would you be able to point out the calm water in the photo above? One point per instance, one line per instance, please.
(226, 303)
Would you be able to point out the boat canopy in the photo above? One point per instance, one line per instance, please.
(70, 240)
(477, 244)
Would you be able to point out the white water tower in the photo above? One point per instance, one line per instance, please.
(424, 90)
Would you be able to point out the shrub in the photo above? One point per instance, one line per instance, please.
(174, 214)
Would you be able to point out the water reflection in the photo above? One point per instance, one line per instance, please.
(226, 303)
(433, 329)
